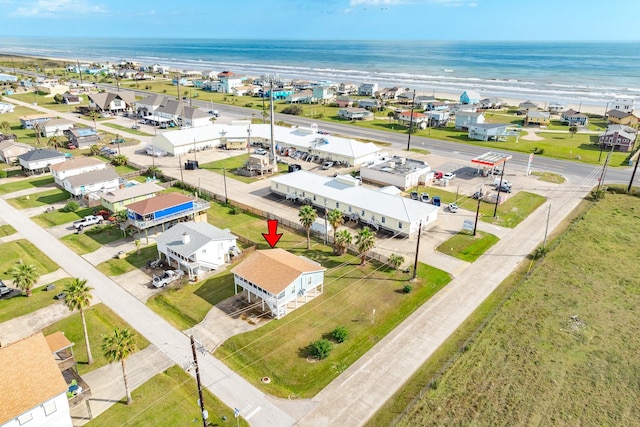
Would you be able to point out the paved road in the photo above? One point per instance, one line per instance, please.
(224, 383)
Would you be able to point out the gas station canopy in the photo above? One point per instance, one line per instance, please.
(491, 159)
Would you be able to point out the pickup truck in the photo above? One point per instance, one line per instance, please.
(87, 221)
(167, 277)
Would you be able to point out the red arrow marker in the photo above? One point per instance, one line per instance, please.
(272, 236)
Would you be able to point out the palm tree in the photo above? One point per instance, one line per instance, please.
(365, 240)
(94, 115)
(94, 150)
(307, 217)
(24, 276)
(78, 298)
(5, 127)
(343, 239)
(55, 142)
(117, 347)
(336, 219)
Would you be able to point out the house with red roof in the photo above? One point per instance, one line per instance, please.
(280, 279)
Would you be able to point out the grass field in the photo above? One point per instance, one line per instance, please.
(21, 304)
(466, 246)
(231, 164)
(127, 129)
(51, 219)
(549, 177)
(168, 399)
(6, 230)
(39, 199)
(23, 250)
(25, 184)
(100, 322)
(133, 260)
(563, 349)
(92, 239)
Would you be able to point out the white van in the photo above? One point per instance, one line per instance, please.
(496, 182)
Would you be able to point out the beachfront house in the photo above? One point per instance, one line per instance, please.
(470, 97)
(556, 107)
(622, 118)
(55, 127)
(416, 119)
(279, 278)
(436, 106)
(355, 113)
(75, 166)
(322, 94)
(390, 93)
(10, 150)
(626, 105)
(571, 117)
(535, 117)
(491, 103)
(197, 247)
(464, 119)
(229, 80)
(367, 89)
(34, 391)
(40, 159)
(438, 118)
(347, 88)
(302, 97)
(117, 200)
(526, 106)
(618, 137)
(488, 131)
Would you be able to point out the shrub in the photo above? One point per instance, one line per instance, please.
(71, 206)
(248, 105)
(294, 110)
(3, 173)
(119, 160)
(321, 348)
(396, 260)
(407, 289)
(340, 334)
(540, 252)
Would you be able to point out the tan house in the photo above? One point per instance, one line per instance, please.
(55, 127)
(622, 118)
(10, 150)
(279, 278)
(535, 117)
(32, 387)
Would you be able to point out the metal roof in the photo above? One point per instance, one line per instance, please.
(491, 159)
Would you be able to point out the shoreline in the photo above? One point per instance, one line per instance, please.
(595, 108)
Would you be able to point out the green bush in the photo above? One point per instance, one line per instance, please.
(407, 289)
(340, 334)
(3, 173)
(294, 110)
(321, 348)
(70, 207)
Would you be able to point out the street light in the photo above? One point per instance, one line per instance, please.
(413, 103)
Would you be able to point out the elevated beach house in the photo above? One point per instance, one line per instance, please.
(83, 137)
(117, 200)
(622, 118)
(488, 131)
(75, 166)
(355, 113)
(535, 117)
(279, 279)
(618, 137)
(464, 119)
(470, 97)
(55, 127)
(572, 117)
(10, 150)
(40, 159)
(197, 247)
(33, 120)
(86, 183)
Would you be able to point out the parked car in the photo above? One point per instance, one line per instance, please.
(4, 290)
(214, 113)
(260, 151)
(414, 195)
(424, 197)
(477, 195)
(167, 277)
(504, 189)
(108, 150)
(437, 175)
(71, 146)
(436, 200)
(453, 207)
(449, 175)
(496, 182)
(60, 296)
(135, 127)
(327, 165)
(87, 221)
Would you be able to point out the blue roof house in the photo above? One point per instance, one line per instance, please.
(470, 97)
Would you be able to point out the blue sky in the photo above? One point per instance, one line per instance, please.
(589, 20)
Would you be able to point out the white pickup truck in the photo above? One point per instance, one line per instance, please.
(87, 221)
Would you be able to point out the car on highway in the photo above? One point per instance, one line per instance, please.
(214, 113)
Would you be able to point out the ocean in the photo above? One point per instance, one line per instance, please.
(571, 72)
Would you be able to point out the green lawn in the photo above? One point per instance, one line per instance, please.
(127, 129)
(51, 219)
(100, 322)
(466, 246)
(168, 399)
(21, 304)
(23, 250)
(549, 177)
(39, 199)
(47, 101)
(133, 260)
(279, 349)
(537, 364)
(92, 239)
(6, 230)
(187, 306)
(125, 169)
(510, 213)
(231, 164)
(24, 184)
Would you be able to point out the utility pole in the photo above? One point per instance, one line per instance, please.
(224, 178)
(413, 103)
(635, 166)
(415, 262)
(180, 164)
(195, 363)
(475, 225)
(604, 168)
(495, 210)
(273, 140)
(546, 230)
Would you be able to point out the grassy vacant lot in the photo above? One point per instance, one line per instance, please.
(280, 350)
(21, 304)
(563, 350)
(6, 230)
(51, 219)
(133, 260)
(127, 129)
(39, 199)
(168, 399)
(92, 239)
(25, 184)
(466, 246)
(231, 164)
(100, 322)
(187, 306)
(510, 213)
(47, 101)
(23, 250)
(549, 177)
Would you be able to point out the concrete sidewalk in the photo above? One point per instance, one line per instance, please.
(29, 191)
(107, 384)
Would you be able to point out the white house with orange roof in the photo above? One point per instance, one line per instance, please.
(33, 390)
(278, 278)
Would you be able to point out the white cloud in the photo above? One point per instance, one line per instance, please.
(57, 8)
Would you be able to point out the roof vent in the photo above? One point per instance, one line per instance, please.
(185, 238)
